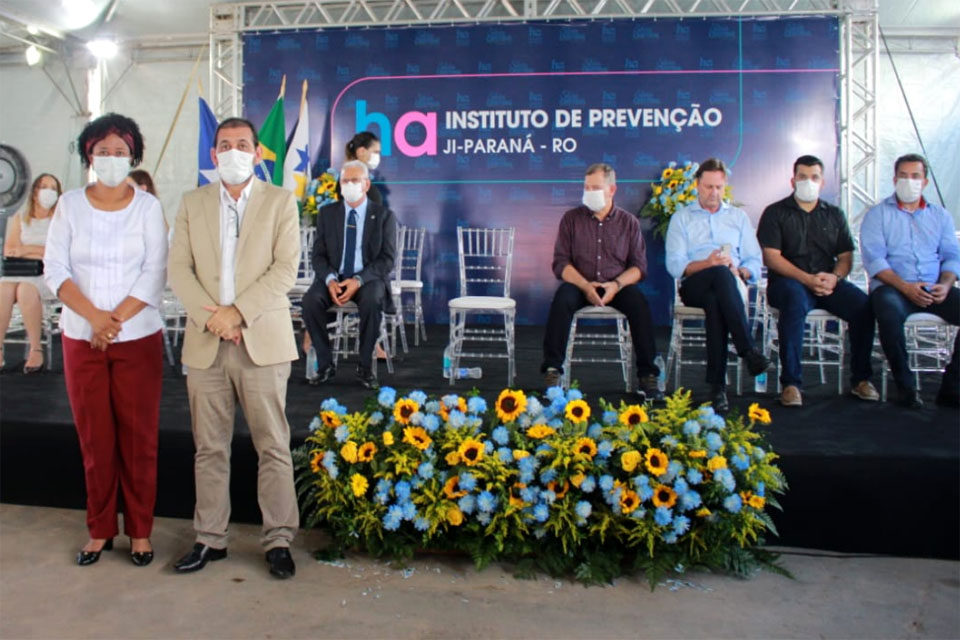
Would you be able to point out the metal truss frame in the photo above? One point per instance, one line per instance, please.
(859, 49)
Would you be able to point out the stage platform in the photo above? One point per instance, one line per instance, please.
(864, 477)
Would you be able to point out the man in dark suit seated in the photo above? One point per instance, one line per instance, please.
(353, 254)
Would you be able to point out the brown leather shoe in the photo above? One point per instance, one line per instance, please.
(790, 396)
(866, 391)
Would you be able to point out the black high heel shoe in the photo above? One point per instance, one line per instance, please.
(89, 557)
(141, 558)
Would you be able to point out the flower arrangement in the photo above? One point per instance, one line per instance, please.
(320, 191)
(550, 485)
(676, 189)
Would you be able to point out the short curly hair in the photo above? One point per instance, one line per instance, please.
(98, 129)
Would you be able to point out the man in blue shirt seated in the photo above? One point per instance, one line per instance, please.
(712, 248)
(808, 250)
(911, 254)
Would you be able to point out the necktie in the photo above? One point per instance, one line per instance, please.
(350, 248)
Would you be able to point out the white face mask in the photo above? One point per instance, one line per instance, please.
(807, 190)
(374, 161)
(352, 191)
(594, 200)
(111, 170)
(46, 198)
(234, 166)
(909, 190)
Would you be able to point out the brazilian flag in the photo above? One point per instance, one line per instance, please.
(273, 142)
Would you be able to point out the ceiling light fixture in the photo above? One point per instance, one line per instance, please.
(102, 49)
(33, 55)
(32, 29)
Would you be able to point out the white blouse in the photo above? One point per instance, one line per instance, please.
(109, 255)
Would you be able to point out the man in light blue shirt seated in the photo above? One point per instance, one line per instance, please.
(712, 248)
(911, 254)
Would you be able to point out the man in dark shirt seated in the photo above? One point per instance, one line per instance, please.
(809, 251)
(600, 256)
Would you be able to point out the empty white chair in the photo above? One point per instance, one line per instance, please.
(620, 339)
(407, 280)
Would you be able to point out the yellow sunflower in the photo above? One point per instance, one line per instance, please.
(656, 462)
(577, 479)
(716, 462)
(330, 419)
(697, 453)
(585, 447)
(453, 458)
(514, 500)
(471, 451)
(520, 454)
(664, 496)
(577, 411)
(633, 415)
(417, 436)
(452, 489)
(387, 438)
(454, 516)
(445, 411)
(359, 484)
(349, 451)
(315, 459)
(561, 493)
(757, 502)
(629, 501)
(405, 408)
(539, 431)
(510, 404)
(703, 512)
(757, 414)
(666, 173)
(629, 460)
(366, 451)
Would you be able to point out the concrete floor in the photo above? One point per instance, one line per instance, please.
(44, 595)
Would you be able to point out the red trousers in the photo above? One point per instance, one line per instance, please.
(115, 397)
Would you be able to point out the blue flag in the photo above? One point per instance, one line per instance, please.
(207, 172)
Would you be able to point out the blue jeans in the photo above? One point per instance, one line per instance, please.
(892, 308)
(794, 301)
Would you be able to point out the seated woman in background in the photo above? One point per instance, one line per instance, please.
(26, 237)
(140, 179)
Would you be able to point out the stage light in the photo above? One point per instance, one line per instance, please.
(102, 49)
(33, 55)
(32, 30)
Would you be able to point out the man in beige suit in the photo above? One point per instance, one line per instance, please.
(234, 257)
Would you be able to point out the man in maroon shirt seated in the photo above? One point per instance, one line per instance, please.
(600, 256)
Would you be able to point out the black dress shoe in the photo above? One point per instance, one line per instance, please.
(141, 558)
(718, 398)
(281, 563)
(89, 557)
(757, 363)
(648, 390)
(910, 399)
(366, 377)
(198, 557)
(324, 375)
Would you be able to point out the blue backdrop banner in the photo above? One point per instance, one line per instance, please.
(494, 125)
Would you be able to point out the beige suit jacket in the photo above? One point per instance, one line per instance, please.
(268, 254)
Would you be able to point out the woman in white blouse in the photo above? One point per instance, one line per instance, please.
(26, 237)
(106, 260)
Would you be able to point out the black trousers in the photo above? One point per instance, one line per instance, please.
(715, 291)
(370, 304)
(630, 301)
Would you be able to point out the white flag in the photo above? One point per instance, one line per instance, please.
(296, 166)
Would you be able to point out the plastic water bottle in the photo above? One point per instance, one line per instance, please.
(662, 376)
(760, 383)
(313, 367)
(447, 363)
(473, 372)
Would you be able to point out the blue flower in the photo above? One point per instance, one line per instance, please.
(681, 486)
(641, 481)
(553, 393)
(541, 512)
(416, 418)
(694, 476)
(330, 404)
(505, 454)
(670, 537)
(690, 500)
(556, 423)
(409, 510)
(433, 406)
(425, 470)
(449, 400)
(674, 469)
(542, 448)
(486, 501)
(725, 478)
(548, 496)
(416, 482)
(639, 514)
(421, 523)
(476, 404)
(528, 494)
(530, 463)
(330, 464)
(467, 481)
(609, 418)
(376, 418)
(691, 427)
(483, 517)
(714, 441)
(500, 435)
(418, 396)
(717, 422)
(645, 492)
(315, 423)
(761, 489)
(583, 509)
(669, 441)
(604, 449)
(662, 516)
(759, 454)
(606, 482)
(488, 446)
(588, 484)
(732, 503)
(383, 486)
(707, 412)
(524, 421)
(467, 503)
(341, 433)
(393, 518)
(387, 397)
(456, 419)
(595, 431)
(740, 461)
(534, 408)
(681, 524)
(574, 394)
(613, 499)
(526, 477)
(548, 475)
(431, 422)
(402, 490)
